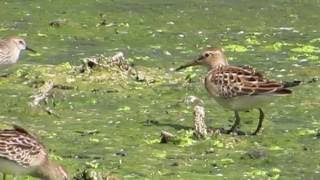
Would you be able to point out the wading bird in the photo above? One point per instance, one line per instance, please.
(238, 88)
(22, 154)
(10, 50)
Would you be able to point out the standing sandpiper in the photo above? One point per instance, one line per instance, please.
(238, 88)
(22, 154)
(10, 50)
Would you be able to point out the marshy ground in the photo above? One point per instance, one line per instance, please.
(110, 122)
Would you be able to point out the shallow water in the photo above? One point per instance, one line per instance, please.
(280, 38)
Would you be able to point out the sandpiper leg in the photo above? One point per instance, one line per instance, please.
(236, 123)
(261, 117)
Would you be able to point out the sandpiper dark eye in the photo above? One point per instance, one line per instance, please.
(21, 42)
(206, 54)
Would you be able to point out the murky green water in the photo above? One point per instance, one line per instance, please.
(280, 38)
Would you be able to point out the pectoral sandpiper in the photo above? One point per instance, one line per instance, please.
(238, 88)
(10, 50)
(22, 154)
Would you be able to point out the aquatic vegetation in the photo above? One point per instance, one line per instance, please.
(277, 46)
(236, 48)
(274, 173)
(111, 122)
(305, 49)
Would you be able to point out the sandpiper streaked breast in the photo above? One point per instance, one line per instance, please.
(238, 88)
(10, 50)
(22, 154)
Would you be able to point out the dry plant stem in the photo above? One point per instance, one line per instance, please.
(199, 124)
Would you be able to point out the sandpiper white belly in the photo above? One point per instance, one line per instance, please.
(244, 103)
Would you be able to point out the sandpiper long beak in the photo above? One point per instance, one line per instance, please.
(192, 63)
(29, 49)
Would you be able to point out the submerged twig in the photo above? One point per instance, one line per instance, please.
(57, 22)
(88, 132)
(49, 111)
(288, 84)
(4, 75)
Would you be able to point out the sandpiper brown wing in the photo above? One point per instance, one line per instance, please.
(231, 81)
(20, 147)
(4, 53)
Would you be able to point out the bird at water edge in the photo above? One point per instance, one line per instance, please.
(22, 154)
(238, 88)
(10, 50)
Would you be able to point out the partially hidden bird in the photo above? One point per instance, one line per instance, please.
(21, 153)
(10, 49)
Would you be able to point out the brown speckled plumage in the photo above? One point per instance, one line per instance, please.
(231, 81)
(10, 50)
(21, 153)
(237, 88)
(21, 147)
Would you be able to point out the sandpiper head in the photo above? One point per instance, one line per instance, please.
(211, 58)
(21, 44)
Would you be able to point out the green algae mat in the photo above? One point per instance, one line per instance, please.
(109, 120)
